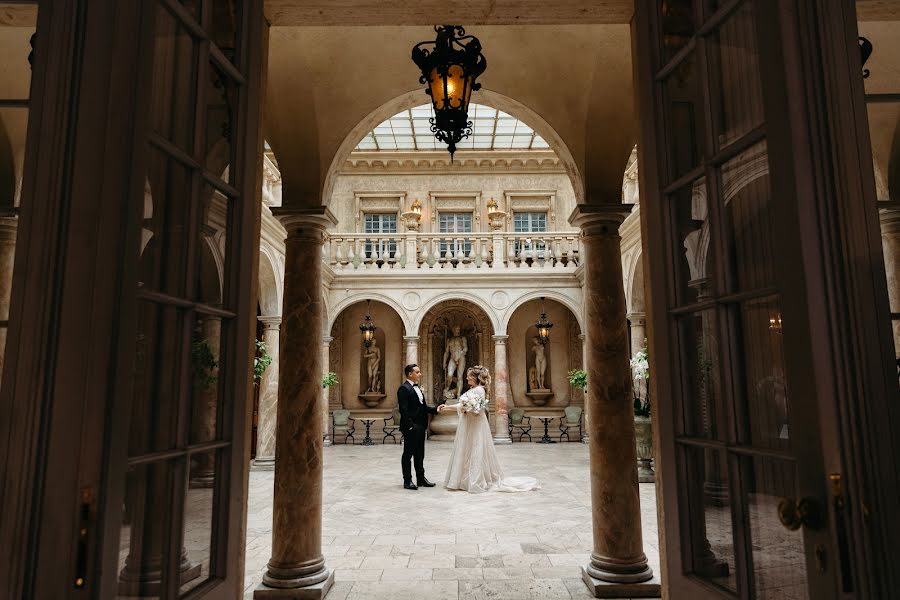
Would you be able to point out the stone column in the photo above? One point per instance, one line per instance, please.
(8, 226)
(297, 568)
(205, 406)
(618, 566)
(585, 436)
(326, 365)
(412, 349)
(268, 398)
(501, 389)
(638, 331)
(890, 242)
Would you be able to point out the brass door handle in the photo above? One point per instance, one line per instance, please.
(807, 512)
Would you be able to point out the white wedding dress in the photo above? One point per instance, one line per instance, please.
(474, 465)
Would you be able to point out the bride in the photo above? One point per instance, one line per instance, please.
(474, 465)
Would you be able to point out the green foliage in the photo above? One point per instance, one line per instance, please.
(578, 378)
(329, 379)
(203, 362)
(261, 362)
(640, 371)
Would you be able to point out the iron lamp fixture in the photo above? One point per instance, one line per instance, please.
(543, 326)
(367, 327)
(775, 323)
(449, 70)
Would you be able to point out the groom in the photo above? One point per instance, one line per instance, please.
(413, 423)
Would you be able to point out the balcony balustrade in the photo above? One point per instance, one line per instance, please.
(493, 251)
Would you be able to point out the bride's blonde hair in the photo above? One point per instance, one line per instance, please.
(482, 375)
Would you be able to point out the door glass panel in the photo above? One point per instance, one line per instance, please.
(173, 90)
(749, 220)
(767, 399)
(220, 105)
(699, 352)
(145, 519)
(213, 246)
(156, 387)
(167, 201)
(199, 516)
(224, 27)
(779, 559)
(205, 378)
(708, 498)
(684, 117)
(737, 68)
(677, 18)
(18, 22)
(693, 243)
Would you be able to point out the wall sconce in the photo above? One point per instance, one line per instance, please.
(367, 327)
(543, 326)
(775, 323)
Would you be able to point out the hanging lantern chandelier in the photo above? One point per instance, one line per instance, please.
(449, 70)
(543, 326)
(367, 327)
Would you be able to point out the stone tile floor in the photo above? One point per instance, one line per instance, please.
(386, 542)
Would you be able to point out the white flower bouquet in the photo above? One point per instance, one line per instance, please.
(473, 403)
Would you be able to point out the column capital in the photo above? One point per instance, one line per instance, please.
(270, 322)
(410, 338)
(500, 339)
(326, 340)
(599, 219)
(890, 220)
(636, 317)
(582, 336)
(304, 222)
(9, 224)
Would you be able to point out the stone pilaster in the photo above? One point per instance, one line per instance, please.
(297, 568)
(8, 227)
(890, 242)
(501, 390)
(585, 434)
(638, 322)
(412, 349)
(326, 362)
(268, 397)
(618, 566)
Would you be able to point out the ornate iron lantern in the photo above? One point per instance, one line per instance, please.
(367, 327)
(543, 326)
(450, 70)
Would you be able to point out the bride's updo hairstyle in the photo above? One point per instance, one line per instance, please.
(482, 375)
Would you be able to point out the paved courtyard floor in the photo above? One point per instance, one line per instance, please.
(387, 542)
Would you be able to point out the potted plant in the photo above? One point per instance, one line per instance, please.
(578, 379)
(329, 379)
(643, 433)
(261, 361)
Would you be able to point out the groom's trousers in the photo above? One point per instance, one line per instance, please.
(414, 448)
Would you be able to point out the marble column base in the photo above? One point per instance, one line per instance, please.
(606, 589)
(263, 463)
(317, 591)
(619, 571)
(327, 441)
(501, 438)
(645, 471)
(150, 584)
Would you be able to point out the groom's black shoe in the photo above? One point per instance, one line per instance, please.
(424, 483)
(410, 485)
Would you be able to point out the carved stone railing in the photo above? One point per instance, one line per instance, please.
(495, 251)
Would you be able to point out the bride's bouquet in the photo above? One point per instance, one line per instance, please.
(473, 403)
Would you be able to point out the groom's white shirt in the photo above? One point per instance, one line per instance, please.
(418, 391)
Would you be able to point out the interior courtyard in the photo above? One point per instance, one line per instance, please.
(670, 231)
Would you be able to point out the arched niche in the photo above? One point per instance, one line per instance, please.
(434, 329)
(346, 355)
(563, 353)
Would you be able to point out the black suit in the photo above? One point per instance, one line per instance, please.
(413, 423)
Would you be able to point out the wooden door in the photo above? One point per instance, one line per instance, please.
(754, 449)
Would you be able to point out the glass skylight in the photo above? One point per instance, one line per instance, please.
(492, 129)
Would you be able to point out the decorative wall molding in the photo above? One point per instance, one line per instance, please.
(377, 202)
(455, 202)
(531, 201)
(418, 161)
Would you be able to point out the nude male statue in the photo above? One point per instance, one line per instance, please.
(455, 359)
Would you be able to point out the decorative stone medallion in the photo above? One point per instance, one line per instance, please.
(411, 301)
(499, 300)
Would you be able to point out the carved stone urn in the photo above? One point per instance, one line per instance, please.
(443, 425)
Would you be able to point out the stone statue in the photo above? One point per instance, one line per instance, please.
(373, 366)
(455, 361)
(540, 363)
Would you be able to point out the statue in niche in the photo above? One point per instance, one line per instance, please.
(455, 350)
(536, 378)
(373, 367)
